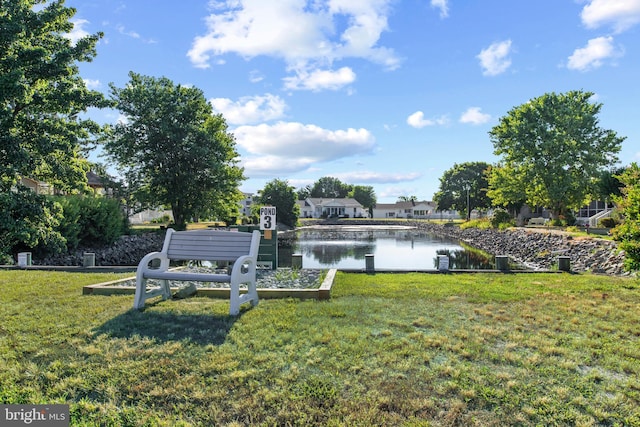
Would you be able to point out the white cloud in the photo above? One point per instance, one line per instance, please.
(442, 5)
(418, 121)
(92, 84)
(621, 14)
(593, 54)
(290, 146)
(474, 116)
(250, 109)
(307, 35)
(320, 79)
(495, 59)
(78, 31)
(370, 177)
(133, 34)
(255, 76)
(122, 30)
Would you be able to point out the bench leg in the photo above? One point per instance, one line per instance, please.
(234, 299)
(166, 289)
(141, 290)
(252, 293)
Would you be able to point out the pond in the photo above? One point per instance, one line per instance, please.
(394, 248)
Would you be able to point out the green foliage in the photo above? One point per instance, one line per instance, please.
(280, 194)
(632, 254)
(608, 185)
(29, 221)
(42, 95)
(454, 183)
(554, 151)
(90, 220)
(173, 151)
(607, 222)
(365, 195)
(329, 187)
(628, 232)
(502, 219)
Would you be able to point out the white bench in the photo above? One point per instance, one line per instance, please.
(537, 221)
(240, 248)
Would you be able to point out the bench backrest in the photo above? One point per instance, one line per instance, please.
(208, 245)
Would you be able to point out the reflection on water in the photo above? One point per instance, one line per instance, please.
(396, 249)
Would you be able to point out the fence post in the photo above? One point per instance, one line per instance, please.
(564, 263)
(502, 262)
(296, 261)
(369, 263)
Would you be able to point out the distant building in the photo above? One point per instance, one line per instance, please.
(316, 207)
(412, 210)
(245, 204)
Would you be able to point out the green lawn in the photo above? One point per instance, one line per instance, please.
(387, 349)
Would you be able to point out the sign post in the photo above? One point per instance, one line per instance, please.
(267, 220)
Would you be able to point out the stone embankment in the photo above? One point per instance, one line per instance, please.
(540, 248)
(128, 250)
(534, 248)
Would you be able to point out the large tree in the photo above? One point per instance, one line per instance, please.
(464, 188)
(42, 98)
(280, 194)
(555, 149)
(173, 150)
(365, 195)
(330, 187)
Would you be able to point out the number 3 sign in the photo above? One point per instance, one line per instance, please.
(268, 218)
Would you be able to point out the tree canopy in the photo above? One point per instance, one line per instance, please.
(42, 95)
(174, 151)
(554, 150)
(330, 187)
(365, 195)
(463, 188)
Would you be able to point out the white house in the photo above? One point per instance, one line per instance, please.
(245, 204)
(315, 207)
(412, 210)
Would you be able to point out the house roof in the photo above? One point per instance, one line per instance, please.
(405, 205)
(345, 202)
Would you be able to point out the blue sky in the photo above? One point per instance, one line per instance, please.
(387, 93)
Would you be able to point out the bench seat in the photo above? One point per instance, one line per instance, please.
(239, 248)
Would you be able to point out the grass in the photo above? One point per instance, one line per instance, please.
(387, 349)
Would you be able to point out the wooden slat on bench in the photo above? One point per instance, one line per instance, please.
(209, 245)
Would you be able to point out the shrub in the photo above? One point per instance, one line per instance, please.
(90, 220)
(632, 254)
(607, 223)
(502, 219)
(29, 221)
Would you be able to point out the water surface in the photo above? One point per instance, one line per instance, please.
(394, 248)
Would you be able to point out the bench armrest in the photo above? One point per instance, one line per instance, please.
(238, 272)
(143, 265)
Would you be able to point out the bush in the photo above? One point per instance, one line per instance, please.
(607, 223)
(502, 219)
(90, 220)
(29, 221)
(632, 254)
